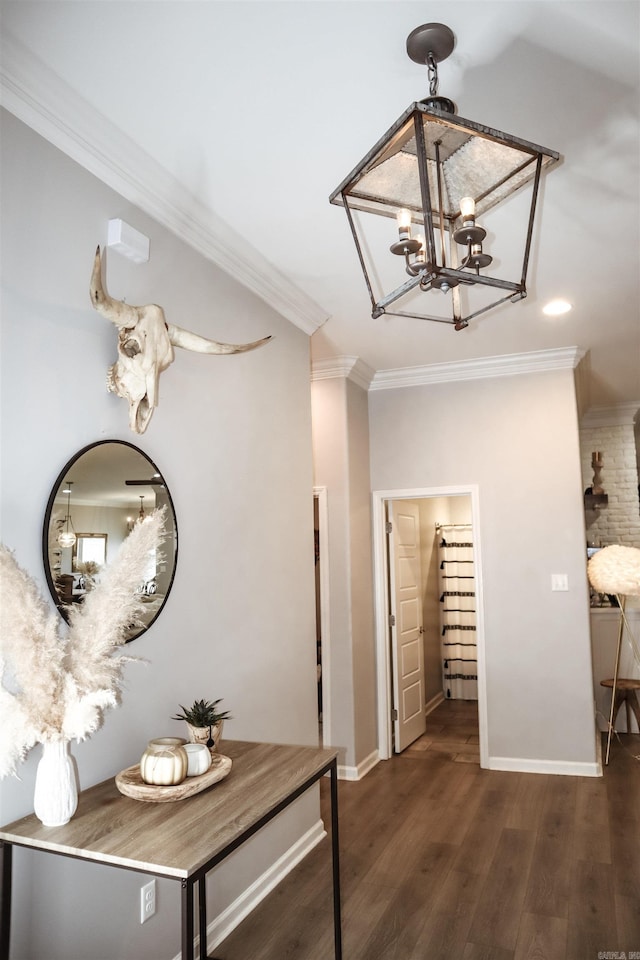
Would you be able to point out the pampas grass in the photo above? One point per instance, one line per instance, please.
(56, 682)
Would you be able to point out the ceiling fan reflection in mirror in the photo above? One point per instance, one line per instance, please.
(156, 479)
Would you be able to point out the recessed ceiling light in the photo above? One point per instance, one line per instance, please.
(555, 308)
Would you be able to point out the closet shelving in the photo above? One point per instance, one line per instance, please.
(457, 611)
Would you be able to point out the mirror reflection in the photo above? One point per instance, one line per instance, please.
(98, 498)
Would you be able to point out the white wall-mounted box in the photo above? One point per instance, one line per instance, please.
(128, 241)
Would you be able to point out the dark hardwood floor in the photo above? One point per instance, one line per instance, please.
(441, 860)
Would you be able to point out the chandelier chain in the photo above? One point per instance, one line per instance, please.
(432, 71)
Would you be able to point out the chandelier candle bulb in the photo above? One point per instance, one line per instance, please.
(404, 224)
(468, 209)
(405, 244)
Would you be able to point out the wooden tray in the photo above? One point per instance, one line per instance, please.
(130, 783)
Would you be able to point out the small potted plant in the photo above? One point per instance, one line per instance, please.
(204, 722)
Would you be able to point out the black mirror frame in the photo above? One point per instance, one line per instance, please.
(61, 607)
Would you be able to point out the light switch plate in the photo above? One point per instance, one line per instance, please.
(559, 581)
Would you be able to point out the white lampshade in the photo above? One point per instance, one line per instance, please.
(616, 570)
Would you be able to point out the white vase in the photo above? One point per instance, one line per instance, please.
(56, 794)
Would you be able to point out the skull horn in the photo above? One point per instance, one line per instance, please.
(192, 341)
(126, 315)
(119, 312)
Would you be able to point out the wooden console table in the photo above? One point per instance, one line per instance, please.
(185, 839)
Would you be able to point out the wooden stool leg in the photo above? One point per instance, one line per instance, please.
(615, 679)
(617, 701)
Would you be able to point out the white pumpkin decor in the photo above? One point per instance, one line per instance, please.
(199, 758)
(165, 762)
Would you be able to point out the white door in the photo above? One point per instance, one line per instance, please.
(405, 603)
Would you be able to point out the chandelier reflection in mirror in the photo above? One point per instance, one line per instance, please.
(67, 535)
(436, 173)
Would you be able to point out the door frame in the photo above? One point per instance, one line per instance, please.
(320, 494)
(381, 611)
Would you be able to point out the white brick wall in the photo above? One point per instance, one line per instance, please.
(619, 521)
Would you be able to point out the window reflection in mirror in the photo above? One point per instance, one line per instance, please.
(78, 567)
(90, 548)
(113, 485)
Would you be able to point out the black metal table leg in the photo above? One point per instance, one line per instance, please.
(202, 916)
(187, 920)
(335, 848)
(6, 851)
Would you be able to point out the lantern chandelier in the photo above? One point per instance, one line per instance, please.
(436, 173)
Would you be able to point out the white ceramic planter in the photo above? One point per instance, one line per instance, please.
(55, 798)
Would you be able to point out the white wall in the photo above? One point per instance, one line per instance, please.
(516, 438)
(232, 436)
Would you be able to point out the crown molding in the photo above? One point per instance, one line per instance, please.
(509, 365)
(349, 368)
(614, 415)
(41, 99)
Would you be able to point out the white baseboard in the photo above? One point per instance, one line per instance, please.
(363, 768)
(564, 768)
(430, 706)
(224, 924)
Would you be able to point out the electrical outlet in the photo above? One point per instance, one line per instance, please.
(147, 900)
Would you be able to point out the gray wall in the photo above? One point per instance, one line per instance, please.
(341, 464)
(516, 438)
(232, 438)
(362, 632)
(330, 460)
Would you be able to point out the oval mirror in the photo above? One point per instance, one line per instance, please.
(101, 493)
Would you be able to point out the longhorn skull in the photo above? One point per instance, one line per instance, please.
(145, 349)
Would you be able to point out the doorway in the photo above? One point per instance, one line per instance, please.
(385, 675)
